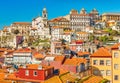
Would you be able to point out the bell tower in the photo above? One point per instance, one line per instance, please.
(44, 14)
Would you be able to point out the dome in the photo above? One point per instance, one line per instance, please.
(83, 11)
(73, 11)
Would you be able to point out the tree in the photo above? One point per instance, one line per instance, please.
(91, 37)
(110, 37)
(103, 38)
(114, 33)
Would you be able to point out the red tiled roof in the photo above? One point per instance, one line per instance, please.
(79, 40)
(56, 27)
(59, 58)
(13, 77)
(58, 19)
(80, 53)
(22, 23)
(3, 49)
(36, 66)
(94, 79)
(82, 33)
(33, 28)
(23, 50)
(115, 46)
(5, 30)
(74, 61)
(38, 56)
(102, 52)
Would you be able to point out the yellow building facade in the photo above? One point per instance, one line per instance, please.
(116, 66)
(101, 62)
(111, 16)
(106, 63)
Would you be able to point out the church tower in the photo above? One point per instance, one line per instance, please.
(44, 14)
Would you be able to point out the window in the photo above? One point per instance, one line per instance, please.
(35, 73)
(101, 62)
(116, 55)
(27, 72)
(116, 66)
(95, 62)
(108, 81)
(108, 72)
(116, 77)
(102, 72)
(108, 62)
(46, 73)
(95, 72)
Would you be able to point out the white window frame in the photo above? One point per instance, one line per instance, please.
(34, 73)
(108, 62)
(102, 72)
(108, 72)
(95, 63)
(116, 55)
(27, 72)
(116, 66)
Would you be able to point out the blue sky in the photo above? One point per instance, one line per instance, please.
(24, 10)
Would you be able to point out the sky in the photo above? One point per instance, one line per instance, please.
(25, 10)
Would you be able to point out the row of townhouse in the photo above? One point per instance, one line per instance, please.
(104, 62)
(74, 65)
(77, 45)
(57, 33)
(18, 57)
(22, 56)
(28, 56)
(36, 72)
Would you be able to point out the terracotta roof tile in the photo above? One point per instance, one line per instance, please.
(80, 53)
(59, 19)
(79, 40)
(56, 27)
(59, 58)
(36, 66)
(82, 33)
(62, 71)
(22, 23)
(74, 61)
(94, 79)
(3, 49)
(5, 30)
(23, 50)
(14, 77)
(115, 46)
(38, 56)
(33, 28)
(2, 80)
(102, 52)
(54, 79)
